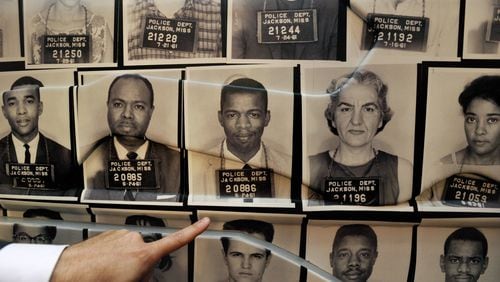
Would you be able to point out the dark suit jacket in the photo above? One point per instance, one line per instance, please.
(169, 169)
(245, 45)
(48, 152)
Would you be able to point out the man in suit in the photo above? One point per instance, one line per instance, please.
(130, 107)
(25, 144)
(244, 115)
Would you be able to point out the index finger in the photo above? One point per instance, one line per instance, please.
(178, 239)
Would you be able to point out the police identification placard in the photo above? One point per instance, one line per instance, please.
(169, 34)
(31, 176)
(66, 49)
(287, 26)
(132, 174)
(245, 183)
(470, 192)
(395, 32)
(352, 191)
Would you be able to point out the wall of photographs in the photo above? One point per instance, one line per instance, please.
(361, 129)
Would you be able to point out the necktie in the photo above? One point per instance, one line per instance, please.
(246, 166)
(27, 155)
(129, 196)
(132, 155)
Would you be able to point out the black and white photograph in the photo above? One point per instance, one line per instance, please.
(131, 153)
(238, 126)
(462, 140)
(458, 253)
(47, 210)
(482, 29)
(69, 33)
(358, 136)
(43, 231)
(229, 259)
(360, 251)
(37, 159)
(89, 77)
(172, 267)
(172, 32)
(10, 41)
(270, 30)
(403, 31)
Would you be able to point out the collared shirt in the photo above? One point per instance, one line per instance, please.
(20, 150)
(257, 161)
(122, 152)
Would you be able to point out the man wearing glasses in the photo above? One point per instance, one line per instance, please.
(29, 234)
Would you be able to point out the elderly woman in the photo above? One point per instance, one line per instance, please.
(357, 111)
(480, 102)
(70, 17)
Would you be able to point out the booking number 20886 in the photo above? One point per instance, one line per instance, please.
(241, 188)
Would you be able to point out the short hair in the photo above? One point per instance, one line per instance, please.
(166, 261)
(153, 221)
(31, 213)
(134, 76)
(24, 81)
(467, 234)
(484, 87)
(51, 231)
(362, 77)
(355, 230)
(243, 85)
(249, 226)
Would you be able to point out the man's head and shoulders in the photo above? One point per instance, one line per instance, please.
(465, 255)
(22, 107)
(130, 107)
(244, 115)
(246, 263)
(354, 252)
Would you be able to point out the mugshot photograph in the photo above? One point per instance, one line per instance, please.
(358, 135)
(10, 42)
(43, 232)
(241, 153)
(411, 30)
(172, 31)
(36, 157)
(482, 30)
(460, 253)
(68, 32)
(46, 210)
(461, 163)
(359, 251)
(234, 259)
(284, 30)
(134, 156)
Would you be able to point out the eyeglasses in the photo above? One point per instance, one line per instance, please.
(23, 237)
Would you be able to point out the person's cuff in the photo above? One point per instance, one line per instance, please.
(29, 262)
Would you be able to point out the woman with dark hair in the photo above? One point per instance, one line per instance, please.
(70, 18)
(357, 111)
(480, 102)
